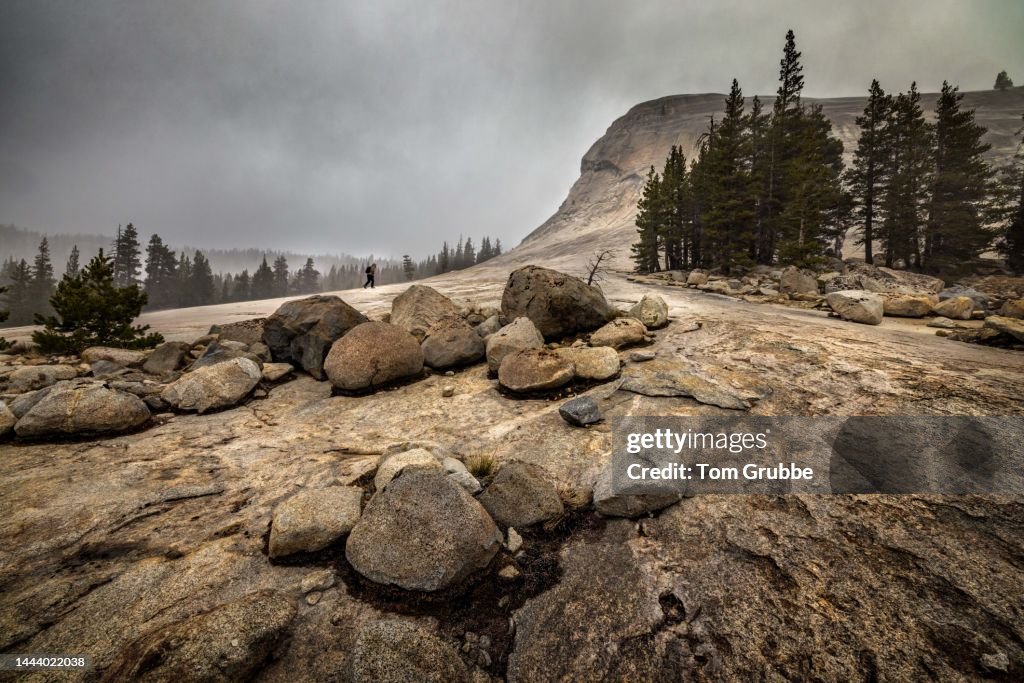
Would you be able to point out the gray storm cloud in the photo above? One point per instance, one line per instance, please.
(387, 126)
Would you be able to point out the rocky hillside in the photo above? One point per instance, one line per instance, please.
(601, 206)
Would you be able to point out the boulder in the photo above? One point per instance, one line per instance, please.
(216, 386)
(908, 305)
(416, 309)
(857, 305)
(944, 323)
(261, 351)
(166, 358)
(451, 342)
(558, 304)
(423, 532)
(593, 363)
(393, 464)
(124, 357)
(651, 310)
(301, 332)
(619, 333)
(521, 495)
(313, 519)
(520, 334)
(1011, 326)
(611, 502)
(1012, 308)
(980, 299)
(248, 332)
(32, 377)
(881, 279)
(215, 353)
(231, 642)
(82, 409)
(580, 411)
(395, 651)
(796, 281)
(7, 420)
(534, 370)
(488, 327)
(955, 308)
(373, 355)
(696, 277)
(104, 369)
(24, 402)
(275, 371)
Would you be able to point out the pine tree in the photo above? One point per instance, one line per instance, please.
(909, 139)
(72, 268)
(263, 286)
(20, 303)
(468, 253)
(868, 177)
(184, 295)
(161, 284)
(127, 261)
(92, 311)
(1009, 209)
(240, 290)
(497, 247)
(459, 262)
(955, 231)
(308, 278)
(42, 280)
(675, 210)
(1003, 81)
(759, 125)
(281, 276)
(444, 259)
(4, 344)
(201, 283)
(645, 250)
(407, 267)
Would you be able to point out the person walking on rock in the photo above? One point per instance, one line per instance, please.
(371, 274)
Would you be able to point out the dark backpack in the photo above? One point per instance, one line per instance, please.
(369, 270)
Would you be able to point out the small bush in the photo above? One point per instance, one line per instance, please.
(481, 465)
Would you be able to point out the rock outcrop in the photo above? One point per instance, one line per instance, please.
(558, 304)
(398, 652)
(302, 332)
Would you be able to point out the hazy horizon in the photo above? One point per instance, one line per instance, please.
(387, 127)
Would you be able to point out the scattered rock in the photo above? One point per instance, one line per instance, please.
(615, 503)
(393, 464)
(514, 541)
(458, 473)
(857, 305)
(520, 334)
(980, 299)
(394, 651)
(651, 310)
(594, 363)
(509, 572)
(642, 356)
(580, 411)
(166, 358)
(796, 281)
(275, 371)
(318, 580)
(418, 308)
(32, 377)
(558, 304)
(521, 495)
(451, 342)
(666, 381)
(697, 277)
(125, 357)
(373, 355)
(1012, 308)
(7, 420)
(216, 353)
(943, 323)
(618, 333)
(488, 327)
(908, 305)
(313, 519)
(534, 370)
(301, 332)
(1011, 326)
(248, 332)
(85, 409)
(453, 538)
(447, 391)
(104, 369)
(957, 308)
(229, 643)
(216, 386)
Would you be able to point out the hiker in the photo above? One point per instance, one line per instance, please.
(371, 273)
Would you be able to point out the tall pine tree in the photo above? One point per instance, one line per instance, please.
(645, 250)
(868, 177)
(908, 171)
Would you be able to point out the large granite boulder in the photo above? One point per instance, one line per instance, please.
(166, 358)
(651, 310)
(373, 355)
(908, 305)
(1011, 326)
(518, 335)
(418, 308)
(558, 304)
(613, 501)
(857, 305)
(7, 419)
(796, 281)
(980, 299)
(594, 363)
(216, 386)
(124, 357)
(32, 377)
(955, 308)
(423, 532)
(619, 333)
(535, 370)
(1012, 308)
(395, 651)
(301, 332)
(68, 409)
(313, 519)
(451, 342)
(521, 495)
(859, 275)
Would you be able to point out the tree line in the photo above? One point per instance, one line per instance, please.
(770, 186)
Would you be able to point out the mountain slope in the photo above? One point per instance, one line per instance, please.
(601, 206)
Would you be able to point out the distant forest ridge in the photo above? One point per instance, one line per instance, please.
(19, 243)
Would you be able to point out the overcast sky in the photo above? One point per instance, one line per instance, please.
(386, 125)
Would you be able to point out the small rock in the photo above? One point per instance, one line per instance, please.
(997, 662)
(313, 519)
(124, 357)
(943, 323)
(105, 369)
(796, 281)
(521, 495)
(489, 326)
(275, 371)
(651, 310)
(447, 391)
(612, 502)
(215, 386)
(580, 411)
(319, 580)
(957, 308)
(696, 277)
(514, 542)
(313, 598)
(508, 572)
(618, 333)
(1012, 308)
(908, 305)
(642, 356)
(166, 358)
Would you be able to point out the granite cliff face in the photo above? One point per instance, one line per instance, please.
(601, 206)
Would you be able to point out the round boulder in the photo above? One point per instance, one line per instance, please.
(418, 308)
(215, 386)
(955, 308)
(313, 519)
(908, 305)
(651, 310)
(521, 495)
(796, 281)
(373, 355)
(423, 532)
(857, 305)
(82, 409)
(593, 363)
(32, 377)
(166, 358)
(619, 333)
(393, 464)
(1012, 308)
(398, 652)
(558, 304)
(301, 332)
(535, 370)
(520, 334)
(451, 342)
